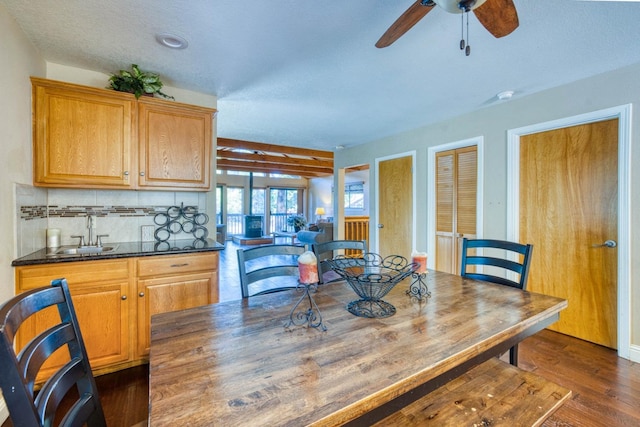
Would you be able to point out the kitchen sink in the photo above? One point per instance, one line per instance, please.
(81, 250)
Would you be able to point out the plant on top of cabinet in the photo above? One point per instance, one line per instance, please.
(137, 82)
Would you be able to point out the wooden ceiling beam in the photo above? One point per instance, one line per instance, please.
(306, 175)
(270, 148)
(264, 158)
(225, 164)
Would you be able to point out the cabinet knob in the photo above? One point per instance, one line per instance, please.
(142, 173)
(124, 297)
(126, 173)
(141, 294)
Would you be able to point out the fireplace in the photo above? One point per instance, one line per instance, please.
(253, 225)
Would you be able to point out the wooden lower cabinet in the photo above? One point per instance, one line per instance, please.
(114, 305)
(171, 283)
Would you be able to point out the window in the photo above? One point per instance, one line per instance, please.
(354, 195)
(283, 202)
(283, 176)
(257, 201)
(219, 202)
(235, 200)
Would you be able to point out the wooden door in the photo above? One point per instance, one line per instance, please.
(568, 209)
(395, 197)
(456, 200)
(175, 145)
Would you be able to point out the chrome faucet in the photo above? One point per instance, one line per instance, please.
(90, 227)
(89, 241)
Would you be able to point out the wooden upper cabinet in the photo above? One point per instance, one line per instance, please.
(82, 137)
(174, 145)
(88, 137)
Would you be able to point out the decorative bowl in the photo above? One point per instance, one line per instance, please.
(372, 277)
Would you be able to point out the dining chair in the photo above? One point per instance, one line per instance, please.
(496, 267)
(327, 250)
(19, 368)
(266, 262)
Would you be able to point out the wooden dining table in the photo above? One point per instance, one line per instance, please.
(235, 364)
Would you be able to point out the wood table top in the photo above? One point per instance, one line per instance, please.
(234, 363)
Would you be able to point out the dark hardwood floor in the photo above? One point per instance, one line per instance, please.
(606, 388)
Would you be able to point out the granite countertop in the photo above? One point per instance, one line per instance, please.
(124, 250)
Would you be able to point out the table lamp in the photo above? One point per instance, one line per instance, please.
(319, 213)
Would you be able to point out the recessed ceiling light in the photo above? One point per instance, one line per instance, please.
(172, 41)
(339, 147)
(507, 94)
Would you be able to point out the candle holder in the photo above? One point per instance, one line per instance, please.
(311, 317)
(418, 288)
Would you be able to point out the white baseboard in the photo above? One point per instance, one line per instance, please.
(634, 353)
(4, 411)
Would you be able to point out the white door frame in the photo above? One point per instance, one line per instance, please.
(376, 207)
(478, 141)
(623, 114)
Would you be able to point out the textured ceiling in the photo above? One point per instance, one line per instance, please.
(306, 73)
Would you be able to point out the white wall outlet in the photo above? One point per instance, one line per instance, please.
(147, 232)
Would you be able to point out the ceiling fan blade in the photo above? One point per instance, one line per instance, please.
(499, 17)
(405, 22)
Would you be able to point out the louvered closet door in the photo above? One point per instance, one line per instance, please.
(456, 189)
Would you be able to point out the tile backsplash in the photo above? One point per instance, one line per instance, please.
(120, 214)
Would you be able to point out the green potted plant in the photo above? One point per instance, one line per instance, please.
(137, 82)
(297, 222)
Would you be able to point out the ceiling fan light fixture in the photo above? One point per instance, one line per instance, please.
(172, 41)
(459, 6)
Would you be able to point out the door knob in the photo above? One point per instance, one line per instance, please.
(380, 225)
(608, 244)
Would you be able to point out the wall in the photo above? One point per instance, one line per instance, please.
(321, 193)
(603, 91)
(19, 60)
(118, 214)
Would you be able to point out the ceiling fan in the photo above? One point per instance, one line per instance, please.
(499, 17)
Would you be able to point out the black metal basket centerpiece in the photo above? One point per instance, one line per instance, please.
(372, 277)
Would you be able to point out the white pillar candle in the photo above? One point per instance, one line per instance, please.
(420, 258)
(53, 237)
(308, 267)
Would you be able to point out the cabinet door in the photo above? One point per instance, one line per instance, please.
(171, 293)
(174, 145)
(103, 314)
(82, 136)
